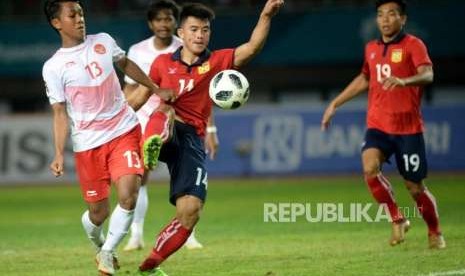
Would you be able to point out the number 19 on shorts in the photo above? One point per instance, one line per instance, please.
(411, 162)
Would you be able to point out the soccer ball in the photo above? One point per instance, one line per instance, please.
(229, 89)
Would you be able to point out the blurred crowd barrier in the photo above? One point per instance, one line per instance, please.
(254, 141)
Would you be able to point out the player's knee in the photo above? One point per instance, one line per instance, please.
(128, 202)
(415, 189)
(98, 215)
(371, 170)
(189, 214)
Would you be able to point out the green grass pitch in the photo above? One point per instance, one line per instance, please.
(41, 233)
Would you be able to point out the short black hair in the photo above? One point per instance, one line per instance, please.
(196, 10)
(401, 3)
(156, 6)
(52, 8)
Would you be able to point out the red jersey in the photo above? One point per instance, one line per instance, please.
(396, 111)
(191, 83)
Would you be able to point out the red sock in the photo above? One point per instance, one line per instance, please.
(169, 241)
(158, 123)
(381, 190)
(426, 204)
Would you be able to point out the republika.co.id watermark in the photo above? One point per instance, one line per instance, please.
(331, 212)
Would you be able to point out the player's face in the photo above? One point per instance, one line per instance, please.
(389, 20)
(70, 22)
(195, 34)
(164, 24)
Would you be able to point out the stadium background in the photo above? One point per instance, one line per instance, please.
(314, 49)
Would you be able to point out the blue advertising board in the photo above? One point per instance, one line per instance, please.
(271, 141)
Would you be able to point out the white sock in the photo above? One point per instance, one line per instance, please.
(94, 233)
(118, 227)
(137, 227)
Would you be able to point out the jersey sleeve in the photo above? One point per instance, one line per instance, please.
(53, 85)
(132, 56)
(154, 73)
(227, 58)
(419, 53)
(116, 52)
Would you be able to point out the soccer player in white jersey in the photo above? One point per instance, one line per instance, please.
(85, 94)
(162, 18)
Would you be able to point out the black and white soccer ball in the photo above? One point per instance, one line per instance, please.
(229, 89)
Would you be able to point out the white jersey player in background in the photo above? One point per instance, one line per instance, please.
(162, 20)
(85, 94)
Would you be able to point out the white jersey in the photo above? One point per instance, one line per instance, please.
(143, 54)
(84, 78)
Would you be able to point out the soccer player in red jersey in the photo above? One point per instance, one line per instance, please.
(162, 16)
(175, 132)
(394, 71)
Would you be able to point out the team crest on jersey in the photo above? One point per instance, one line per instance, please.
(100, 49)
(204, 68)
(396, 55)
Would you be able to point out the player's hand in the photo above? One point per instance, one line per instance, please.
(57, 166)
(272, 7)
(168, 95)
(392, 82)
(327, 116)
(211, 144)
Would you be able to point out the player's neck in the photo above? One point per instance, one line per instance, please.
(388, 39)
(188, 57)
(68, 42)
(162, 43)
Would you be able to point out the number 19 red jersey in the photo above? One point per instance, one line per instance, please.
(396, 111)
(191, 83)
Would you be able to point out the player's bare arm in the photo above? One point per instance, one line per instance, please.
(358, 85)
(424, 76)
(129, 88)
(60, 134)
(248, 50)
(141, 93)
(211, 138)
(132, 70)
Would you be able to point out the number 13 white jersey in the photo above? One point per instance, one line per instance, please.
(84, 78)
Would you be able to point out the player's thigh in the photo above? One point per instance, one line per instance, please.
(188, 171)
(372, 158)
(93, 174)
(376, 149)
(411, 157)
(124, 158)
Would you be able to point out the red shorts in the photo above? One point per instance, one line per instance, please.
(97, 167)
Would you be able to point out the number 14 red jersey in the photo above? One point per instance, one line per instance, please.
(191, 83)
(396, 111)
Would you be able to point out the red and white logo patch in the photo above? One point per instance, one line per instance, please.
(100, 49)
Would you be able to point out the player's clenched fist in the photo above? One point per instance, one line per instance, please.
(272, 7)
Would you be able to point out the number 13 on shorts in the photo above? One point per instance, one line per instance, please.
(133, 159)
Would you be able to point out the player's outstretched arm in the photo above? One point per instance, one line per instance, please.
(132, 70)
(357, 86)
(248, 50)
(60, 135)
(138, 95)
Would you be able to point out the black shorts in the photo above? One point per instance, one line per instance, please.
(409, 151)
(185, 156)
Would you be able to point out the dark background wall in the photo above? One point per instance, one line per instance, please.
(314, 46)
